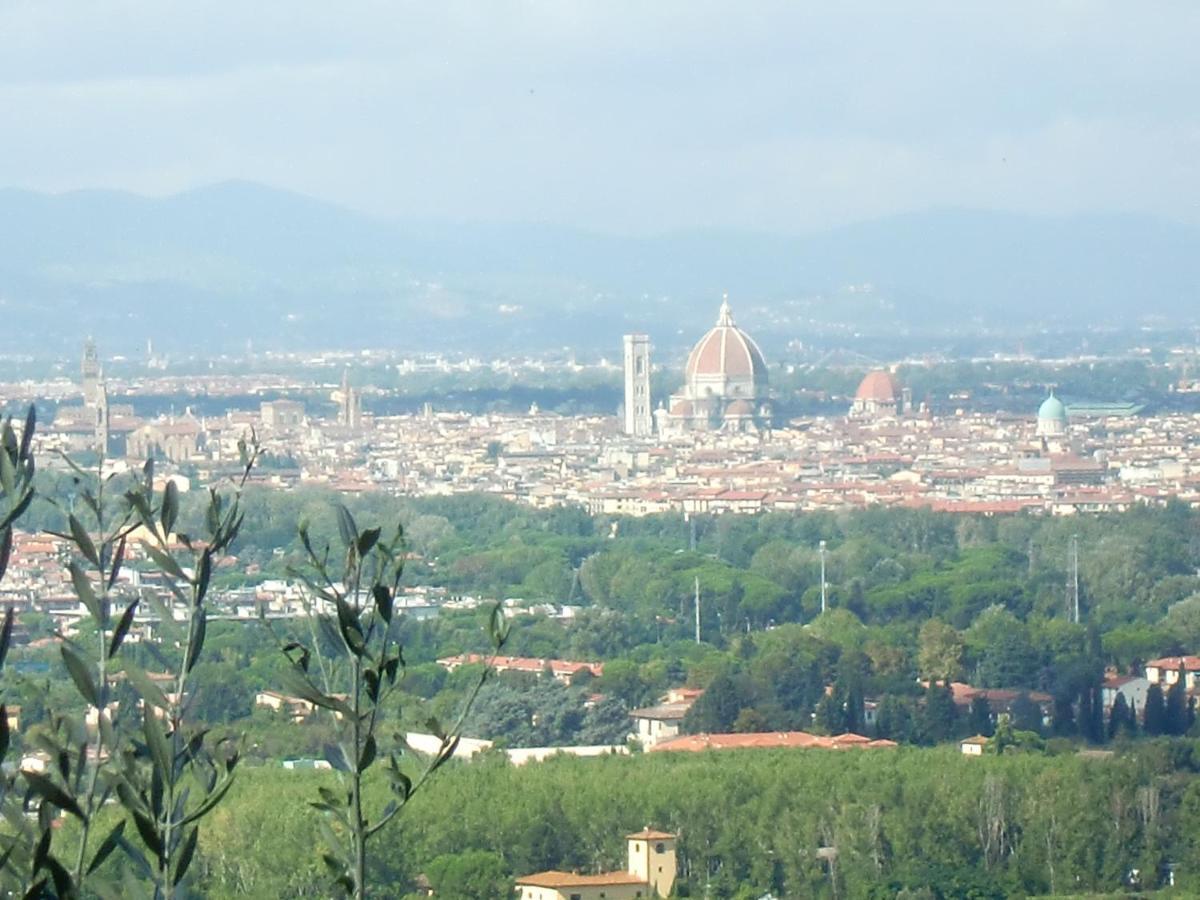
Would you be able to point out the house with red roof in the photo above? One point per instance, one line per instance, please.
(1166, 671)
(664, 720)
(650, 873)
(560, 669)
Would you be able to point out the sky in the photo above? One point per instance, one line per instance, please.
(625, 117)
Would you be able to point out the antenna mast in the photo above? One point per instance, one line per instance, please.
(1075, 576)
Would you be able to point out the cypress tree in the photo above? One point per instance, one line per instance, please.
(938, 715)
(831, 712)
(980, 716)
(854, 709)
(1085, 713)
(1119, 717)
(1026, 715)
(1155, 713)
(1175, 713)
(1096, 723)
(1064, 715)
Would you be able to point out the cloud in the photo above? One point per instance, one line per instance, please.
(621, 116)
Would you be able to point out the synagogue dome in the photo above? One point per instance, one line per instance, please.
(1052, 409)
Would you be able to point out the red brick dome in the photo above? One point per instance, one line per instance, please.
(727, 352)
(878, 387)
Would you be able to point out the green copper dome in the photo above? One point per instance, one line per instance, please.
(1052, 408)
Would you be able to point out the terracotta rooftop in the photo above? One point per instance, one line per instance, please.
(553, 879)
(1187, 663)
(695, 743)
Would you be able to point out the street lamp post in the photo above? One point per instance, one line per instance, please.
(822, 549)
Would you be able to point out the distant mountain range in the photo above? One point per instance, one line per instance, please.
(211, 268)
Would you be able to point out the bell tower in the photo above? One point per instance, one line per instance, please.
(652, 859)
(89, 370)
(639, 420)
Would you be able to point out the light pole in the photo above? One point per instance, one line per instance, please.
(1075, 575)
(821, 546)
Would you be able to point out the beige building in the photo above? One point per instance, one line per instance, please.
(973, 746)
(662, 722)
(650, 873)
(177, 440)
(1166, 671)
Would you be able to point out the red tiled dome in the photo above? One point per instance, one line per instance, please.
(879, 386)
(727, 352)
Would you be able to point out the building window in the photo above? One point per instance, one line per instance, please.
(660, 848)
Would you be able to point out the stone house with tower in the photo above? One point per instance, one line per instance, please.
(650, 873)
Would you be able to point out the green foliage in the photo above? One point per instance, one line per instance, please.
(470, 875)
(1020, 823)
(544, 713)
(351, 667)
(913, 594)
(1154, 714)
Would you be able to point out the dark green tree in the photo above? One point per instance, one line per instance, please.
(1176, 718)
(1154, 716)
(939, 715)
(469, 875)
(1010, 661)
(1120, 718)
(717, 708)
(831, 714)
(1026, 714)
(894, 720)
(979, 717)
(1064, 714)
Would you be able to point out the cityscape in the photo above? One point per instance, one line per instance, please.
(599, 451)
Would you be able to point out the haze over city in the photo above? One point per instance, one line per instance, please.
(600, 451)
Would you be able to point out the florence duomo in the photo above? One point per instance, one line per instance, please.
(725, 387)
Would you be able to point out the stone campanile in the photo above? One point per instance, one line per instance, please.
(639, 420)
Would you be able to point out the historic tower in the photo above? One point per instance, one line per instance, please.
(102, 421)
(639, 421)
(89, 370)
(652, 859)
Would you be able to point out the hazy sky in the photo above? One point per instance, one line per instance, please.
(628, 117)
